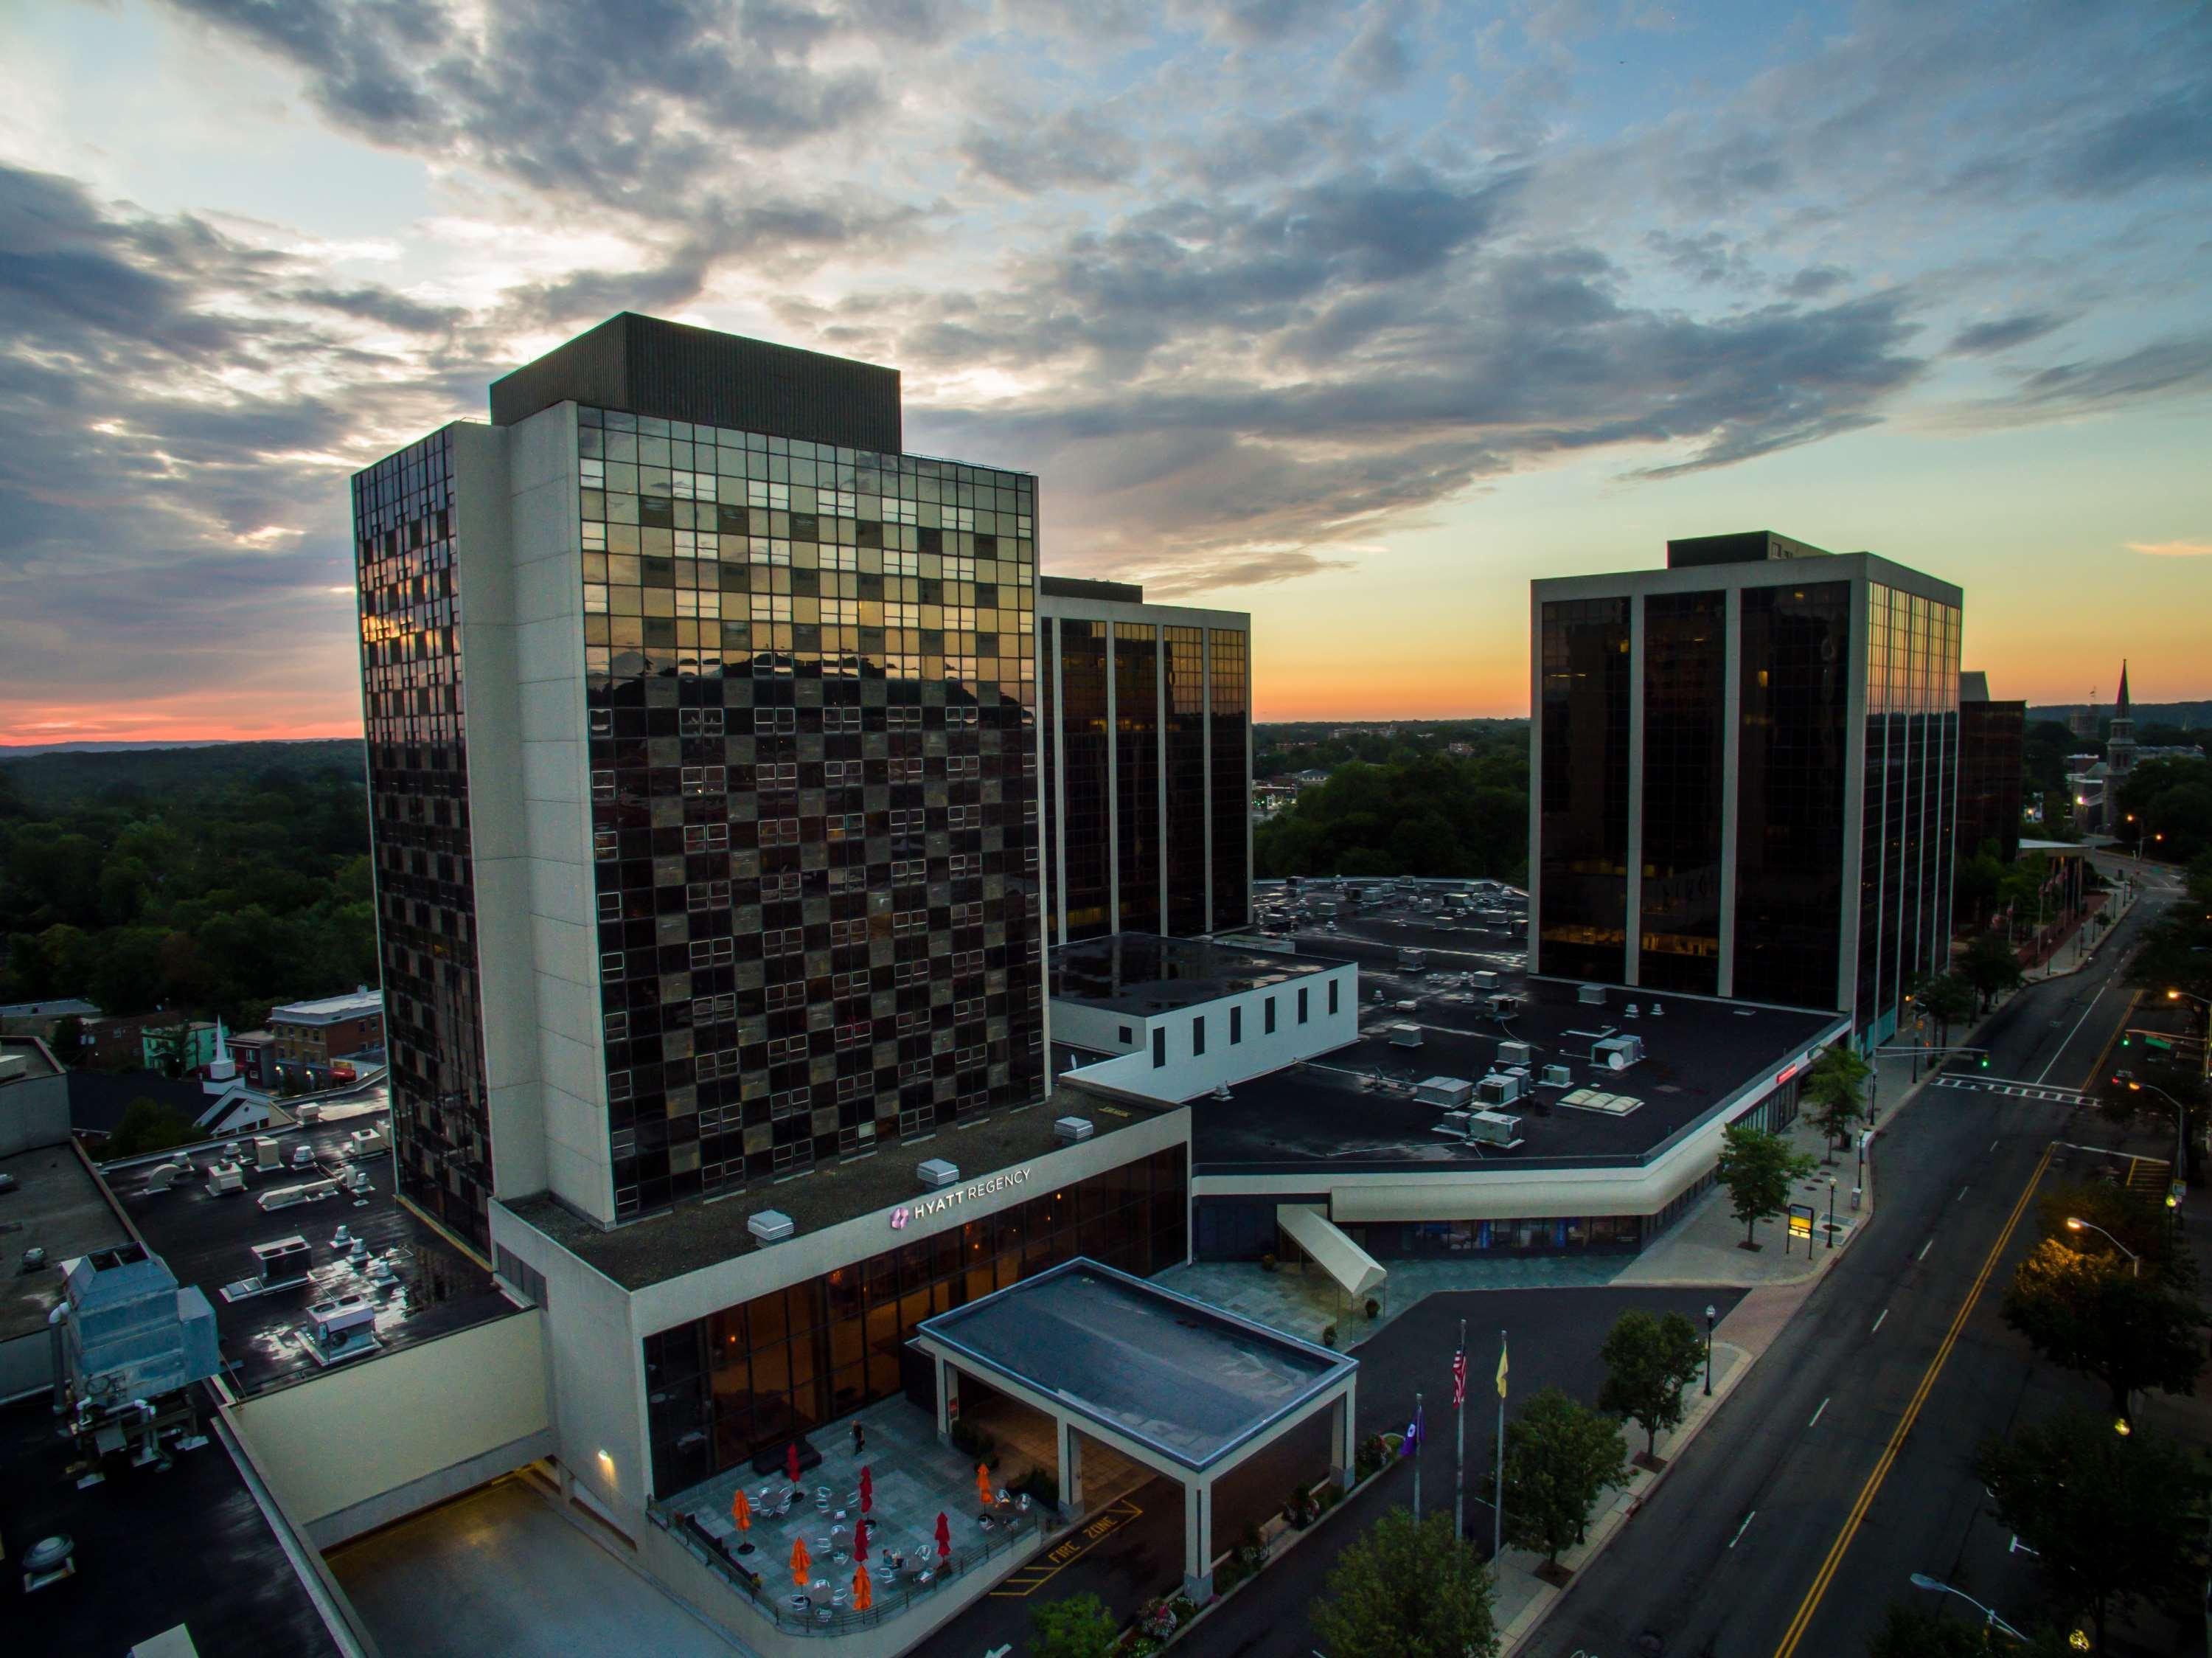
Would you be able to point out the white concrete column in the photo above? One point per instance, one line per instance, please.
(1198, 1540)
(1071, 1467)
(1344, 1464)
(948, 1391)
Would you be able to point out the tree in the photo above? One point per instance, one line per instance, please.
(67, 1038)
(2112, 1517)
(1560, 1456)
(1757, 1168)
(1834, 1087)
(1949, 1000)
(1407, 1589)
(1989, 965)
(1912, 1632)
(147, 1126)
(1078, 1626)
(2136, 1219)
(1648, 1362)
(2090, 1314)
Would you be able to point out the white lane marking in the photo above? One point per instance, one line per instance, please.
(1924, 1248)
(2076, 1031)
(1741, 1529)
(1816, 1416)
(1877, 1323)
(1961, 1196)
(1993, 1145)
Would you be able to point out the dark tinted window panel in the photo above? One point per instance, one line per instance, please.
(1137, 779)
(1186, 781)
(1083, 768)
(1685, 692)
(1583, 833)
(1230, 664)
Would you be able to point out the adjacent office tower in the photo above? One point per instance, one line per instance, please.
(701, 754)
(1147, 778)
(1992, 762)
(1745, 776)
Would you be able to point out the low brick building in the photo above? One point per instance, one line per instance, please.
(313, 1034)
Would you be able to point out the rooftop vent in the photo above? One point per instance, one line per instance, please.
(1591, 996)
(1405, 1036)
(936, 1171)
(1617, 1053)
(1557, 1077)
(770, 1226)
(1513, 1053)
(1068, 1130)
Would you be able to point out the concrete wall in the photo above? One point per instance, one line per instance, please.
(367, 1443)
(1187, 1074)
(34, 1111)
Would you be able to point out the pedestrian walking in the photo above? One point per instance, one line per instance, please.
(859, 1439)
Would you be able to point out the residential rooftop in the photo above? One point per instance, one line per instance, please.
(1142, 974)
(1355, 1110)
(1186, 1378)
(188, 1545)
(694, 1235)
(208, 1240)
(330, 1009)
(58, 1207)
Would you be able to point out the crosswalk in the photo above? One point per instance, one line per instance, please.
(2017, 1090)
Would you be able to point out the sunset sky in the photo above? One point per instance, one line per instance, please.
(1355, 317)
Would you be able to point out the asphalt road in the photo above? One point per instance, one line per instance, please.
(1725, 1558)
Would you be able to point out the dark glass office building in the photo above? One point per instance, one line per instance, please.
(1992, 762)
(1147, 777)
(1747, 769)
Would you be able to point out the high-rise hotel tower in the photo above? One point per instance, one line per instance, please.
(703, 761)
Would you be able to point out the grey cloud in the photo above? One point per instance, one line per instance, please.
(373, 304)
(1032, 152)
(1815, 280)
(1378, 59)
(2165, 369)
(2169, 137)
(2002, 334)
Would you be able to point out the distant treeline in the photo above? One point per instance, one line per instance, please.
(202, 880)
(1425, 813)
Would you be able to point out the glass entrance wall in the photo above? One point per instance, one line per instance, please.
(723, 1389)
(1581, 851)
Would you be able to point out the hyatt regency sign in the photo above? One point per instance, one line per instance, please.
(928, 1208)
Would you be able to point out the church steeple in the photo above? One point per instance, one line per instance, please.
(2120, 742)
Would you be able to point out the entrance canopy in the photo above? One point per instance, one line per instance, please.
(1352, 1267)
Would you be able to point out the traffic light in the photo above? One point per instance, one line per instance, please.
(1985, 1058)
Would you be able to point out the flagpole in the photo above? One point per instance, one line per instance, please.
(1417, 1437)
(1497, 1508)
(1459, 1460)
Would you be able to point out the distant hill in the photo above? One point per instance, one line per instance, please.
(2190, 716)
(17, 751)
(58, 779)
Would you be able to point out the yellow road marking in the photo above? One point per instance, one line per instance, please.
(1851, 1521)
(2089, 1082)
(1027, 1579)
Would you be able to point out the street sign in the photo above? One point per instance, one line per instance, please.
(1801, 1220)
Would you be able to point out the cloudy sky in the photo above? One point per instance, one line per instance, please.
(1354, 316)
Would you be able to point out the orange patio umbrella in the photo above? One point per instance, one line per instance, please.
(741, 1511)
(863, 1592)
(983, 1485)
(801, 1562)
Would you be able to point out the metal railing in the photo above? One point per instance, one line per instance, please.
(891, 1596)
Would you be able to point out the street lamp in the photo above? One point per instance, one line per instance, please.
(1832, 1213)
(1710, 1315)
(2180, 1127)
(1921, 1581)
(2135, 1261)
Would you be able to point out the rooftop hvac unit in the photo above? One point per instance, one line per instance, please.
(1483, 979)
(770, 1226)
(1498, 1090)
(1068, 1130)
(307, 1192)
(1494, 1128)
(1557, 1077)
(283, 1260)
(1617, 1053)
(223, 1178)
(1502, 1004)
(936, 1171)
(333, 1319)
(1405, 1036)
(266, 1154)
(1591, 995)
(1513, 1053)
(1451, 1091)
(162, 1176)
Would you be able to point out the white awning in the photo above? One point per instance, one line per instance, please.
(1342, 1260)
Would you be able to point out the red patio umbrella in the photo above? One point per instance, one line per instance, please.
(868, 1491)
(944, 1537)
(860, 1540)
(791, 1462)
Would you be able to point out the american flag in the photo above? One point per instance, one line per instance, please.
(1459, 1378)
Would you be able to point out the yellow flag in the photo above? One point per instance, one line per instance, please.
(1501, 1368)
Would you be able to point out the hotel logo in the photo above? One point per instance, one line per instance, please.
(904, 1216)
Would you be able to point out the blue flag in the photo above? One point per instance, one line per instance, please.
(1412, 1440)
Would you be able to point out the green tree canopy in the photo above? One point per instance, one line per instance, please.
(1648, 1362)
(2112, 1517)
(147, 1126)
(1757, 1168)
(1835, 1089)
(2087, 1313)
(1076, 1626)
(1949, 1000)
(1407, 1589)
(1560, 1457)
(1434, 814)
(1989, 965)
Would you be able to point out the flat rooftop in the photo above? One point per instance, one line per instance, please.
(1142, 974)
(1187, 1379)
(1697, 1052)
(61, 1209)
(698, 1234)
(355, 1004)
(153, 1550)
(207, 1240)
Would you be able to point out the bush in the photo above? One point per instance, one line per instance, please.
(1370, 1456)
(1329, 1336)
(1374, 1309)
(1268, 1262)
(1042, 1486)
